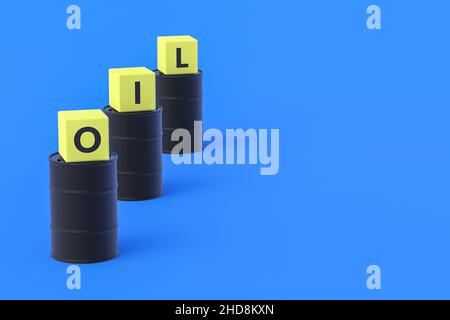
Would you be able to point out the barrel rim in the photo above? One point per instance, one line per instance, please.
(183, 75)
(131, 199)
(85, 261)
(57, 159)
(111, 110)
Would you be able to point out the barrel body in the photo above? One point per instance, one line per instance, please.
(83, 202)
(136, 137)
(181, 99)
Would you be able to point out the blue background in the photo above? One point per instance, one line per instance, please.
(364, 152)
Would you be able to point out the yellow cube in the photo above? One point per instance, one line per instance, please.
(177, 55)
(83, 135)
(132, 89)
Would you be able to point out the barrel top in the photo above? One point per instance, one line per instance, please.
(110, 110)
(187, 75)
(57, 159)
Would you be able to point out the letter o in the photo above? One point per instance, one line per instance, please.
(97, 139)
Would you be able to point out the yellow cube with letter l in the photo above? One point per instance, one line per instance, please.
(83, 135)
(177, 55)
(132, 89)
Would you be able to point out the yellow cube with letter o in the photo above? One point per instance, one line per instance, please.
(83, 135)
(177, 55)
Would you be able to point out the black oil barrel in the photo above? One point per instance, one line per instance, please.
(136, 137)
(83, 202)
(180, 96)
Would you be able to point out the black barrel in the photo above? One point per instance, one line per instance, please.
(137, 139)
(181, 98)
(83, 202)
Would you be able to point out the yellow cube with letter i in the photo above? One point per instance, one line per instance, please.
(132, 89)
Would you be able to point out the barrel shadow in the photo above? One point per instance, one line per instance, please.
(144, 243)
(188, 184)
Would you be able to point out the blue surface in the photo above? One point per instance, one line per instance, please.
(364, 157)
